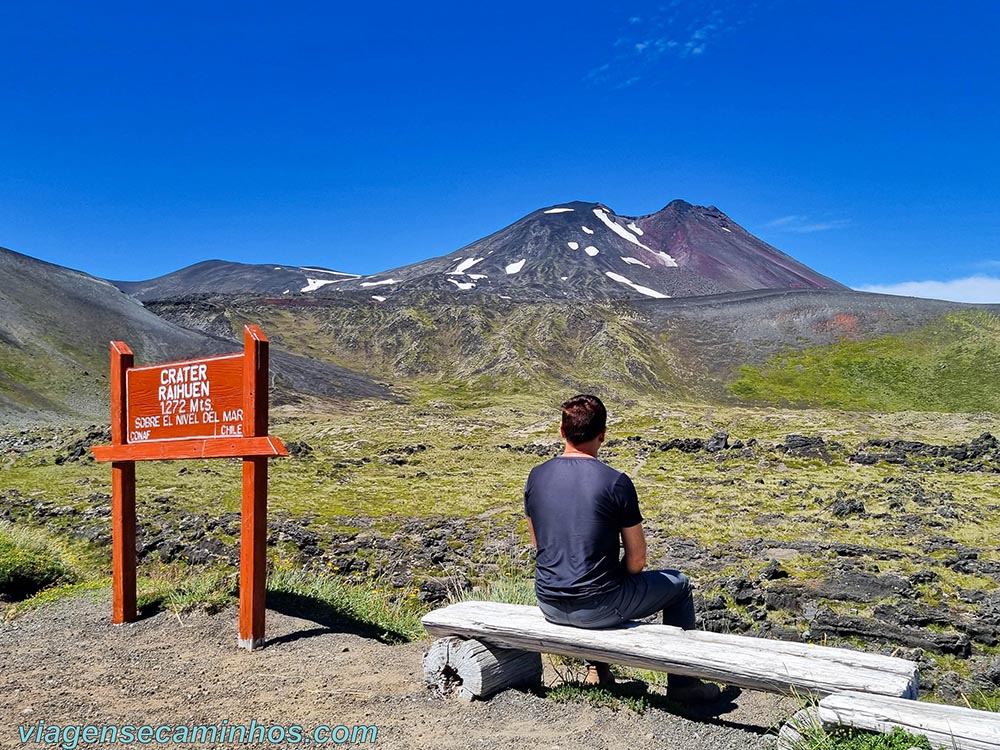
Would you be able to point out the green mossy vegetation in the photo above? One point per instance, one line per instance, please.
(940, 367)
(855, 739)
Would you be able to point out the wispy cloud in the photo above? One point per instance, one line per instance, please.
(806, 225)
(676, 29)
(982, 289)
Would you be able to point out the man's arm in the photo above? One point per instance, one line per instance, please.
(634, 542)
(531, 533)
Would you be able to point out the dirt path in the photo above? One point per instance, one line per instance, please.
(66, 664)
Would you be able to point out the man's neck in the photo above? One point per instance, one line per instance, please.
(585, 450)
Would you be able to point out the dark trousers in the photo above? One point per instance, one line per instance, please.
(639, 596)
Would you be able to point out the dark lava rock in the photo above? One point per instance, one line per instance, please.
(302, 539)
(743, 591)
(434, 590)
(298, 449)
(719, 441)
(684, 445)
(949, 687)
(79, 450)
(773, 571)
(804, 446)
(989, 675)
(857, 586)
(844, 507)
(723, 622)
(913, 614)
(827, 622)
(905, 451)
(210, 550)
(533, 449)
(787, 598)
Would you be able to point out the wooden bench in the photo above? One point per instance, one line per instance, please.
(506, 640)
(947, 727)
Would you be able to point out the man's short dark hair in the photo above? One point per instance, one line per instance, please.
(583, 418)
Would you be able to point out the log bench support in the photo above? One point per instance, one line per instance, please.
(472, 669)
(755, 663)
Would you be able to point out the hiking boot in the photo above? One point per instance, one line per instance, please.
(599, 673)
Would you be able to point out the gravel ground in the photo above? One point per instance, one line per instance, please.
(66, 664)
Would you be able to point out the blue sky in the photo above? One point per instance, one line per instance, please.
(860, 137)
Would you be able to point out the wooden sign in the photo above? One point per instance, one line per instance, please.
(214, 407)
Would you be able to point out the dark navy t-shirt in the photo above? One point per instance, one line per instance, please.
(578, 507)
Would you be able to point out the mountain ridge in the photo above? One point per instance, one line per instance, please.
(56, 324)
(575, 250)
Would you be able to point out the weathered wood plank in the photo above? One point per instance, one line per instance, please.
(947, 727)
(755, 663)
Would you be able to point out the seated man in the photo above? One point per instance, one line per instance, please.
(578, 510)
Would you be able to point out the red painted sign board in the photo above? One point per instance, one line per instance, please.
(197, 398)
(214, 407)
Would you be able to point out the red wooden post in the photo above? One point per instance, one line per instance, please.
(253, 538)
(122, 494)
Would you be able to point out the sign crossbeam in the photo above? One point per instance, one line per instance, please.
(214, 407)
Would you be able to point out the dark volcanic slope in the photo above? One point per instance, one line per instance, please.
(585, 250)
(224, 277)
(55, 327)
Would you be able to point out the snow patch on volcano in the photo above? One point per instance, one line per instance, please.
(314, 284)
(515, 267)
(641, 289)
(634, 261)
(465, 265)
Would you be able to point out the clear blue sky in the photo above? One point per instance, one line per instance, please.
(136, 138)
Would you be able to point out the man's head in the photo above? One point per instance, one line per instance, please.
(583, 419)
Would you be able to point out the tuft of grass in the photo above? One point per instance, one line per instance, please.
(983, 700)
(375, 609)
(31, 560)
(181, 588)
(597, 696)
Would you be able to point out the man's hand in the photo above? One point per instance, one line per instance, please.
(634, 541)
(531, 533)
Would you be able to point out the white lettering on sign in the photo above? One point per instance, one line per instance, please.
(189, 381)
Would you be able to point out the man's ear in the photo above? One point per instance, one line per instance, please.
(562, 432)
(602, 436)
